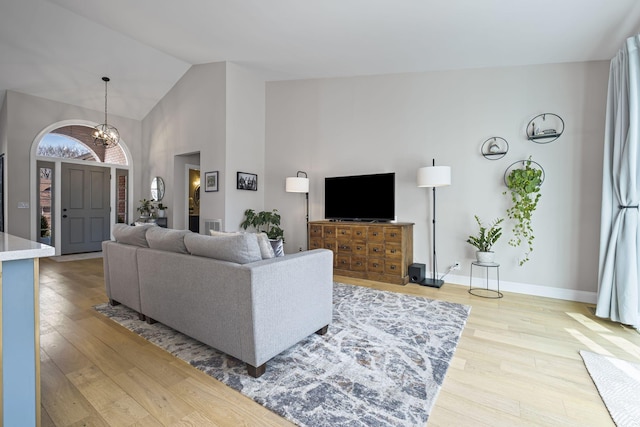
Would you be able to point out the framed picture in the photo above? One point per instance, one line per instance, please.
(211, 181)
(247, 181)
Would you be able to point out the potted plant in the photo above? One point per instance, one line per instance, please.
(264, 221)
(145, 208)
(524, 186)
(45, 232)
(485, 239)
(162, 210)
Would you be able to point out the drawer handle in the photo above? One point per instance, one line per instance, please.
(343, 262)
(375, 250)
(375, 233)
(358, 263)
(375, 264)
(393, 267)
(358, 233)
(393, 234)
(393, 251)
(344, 247)
(359, 248)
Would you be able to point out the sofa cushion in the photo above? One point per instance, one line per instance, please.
(266, 250)
(168, 240)
(130, 235)
(278, 247)
(238, 248)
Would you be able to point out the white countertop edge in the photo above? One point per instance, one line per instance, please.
(15, 248)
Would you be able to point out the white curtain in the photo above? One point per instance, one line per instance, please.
(619, 289)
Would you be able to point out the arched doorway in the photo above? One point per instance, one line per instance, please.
(75, 186)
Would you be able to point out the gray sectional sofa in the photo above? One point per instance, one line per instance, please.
(226, 291)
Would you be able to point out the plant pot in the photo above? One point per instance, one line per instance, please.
(161, 213)
(485, 257)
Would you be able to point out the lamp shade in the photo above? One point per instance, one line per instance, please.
(296, 184)
(434, 176)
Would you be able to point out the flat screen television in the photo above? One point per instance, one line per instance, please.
(360, 197)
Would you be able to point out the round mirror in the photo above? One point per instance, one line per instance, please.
(157, 189)
(196, 195)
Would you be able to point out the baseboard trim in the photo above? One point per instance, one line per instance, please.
(529, 289)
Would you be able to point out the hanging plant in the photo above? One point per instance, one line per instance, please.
(524, 185)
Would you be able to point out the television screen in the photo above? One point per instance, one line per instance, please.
(360, 197)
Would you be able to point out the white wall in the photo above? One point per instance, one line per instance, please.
(216, 110)
(245, 142)
(398, 123)
(189, 119)
(27, 116)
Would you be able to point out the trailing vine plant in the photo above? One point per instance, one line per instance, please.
(524, 186)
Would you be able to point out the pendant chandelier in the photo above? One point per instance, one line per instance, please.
(106, 135)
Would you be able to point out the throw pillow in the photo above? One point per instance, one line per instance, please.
(238, 248)
(168, 240)
(131, 235)
(277, 246)
(223, 233)
(266, 250)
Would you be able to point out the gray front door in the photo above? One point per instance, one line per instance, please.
(85, 208)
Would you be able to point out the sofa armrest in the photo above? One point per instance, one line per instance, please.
(121, 273)
(291, 298)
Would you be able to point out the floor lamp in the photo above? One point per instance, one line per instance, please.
(434, 176)
(300, 184)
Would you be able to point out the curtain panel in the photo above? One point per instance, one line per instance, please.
(618, 287)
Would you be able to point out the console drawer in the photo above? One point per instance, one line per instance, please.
(393, 251)
(393, 267)
(375, 249)
(329, 231)
(375, 234)
(359, 248)
(344, 246)
(315, 243)
(393, 234)
(375, 265)
(358, 263)
(315, 230)
(343, 262)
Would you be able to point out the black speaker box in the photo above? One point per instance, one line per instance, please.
(416, 273)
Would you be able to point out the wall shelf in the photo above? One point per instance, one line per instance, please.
(545, 128)
(494, 148)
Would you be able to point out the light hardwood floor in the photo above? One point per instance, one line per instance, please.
(517, 363)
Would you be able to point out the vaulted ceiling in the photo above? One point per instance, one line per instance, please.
(60, 49)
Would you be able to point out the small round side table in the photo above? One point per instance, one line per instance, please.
(485, 292)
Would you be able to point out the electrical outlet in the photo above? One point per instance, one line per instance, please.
(456, 265)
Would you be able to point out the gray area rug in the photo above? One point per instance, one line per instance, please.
(382, 363)
(618, 383)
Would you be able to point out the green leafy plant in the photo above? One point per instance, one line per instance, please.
(146, 207)
(162, 207)
(264, 221)
(486, 237)
(524, 186)
(44, 226)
